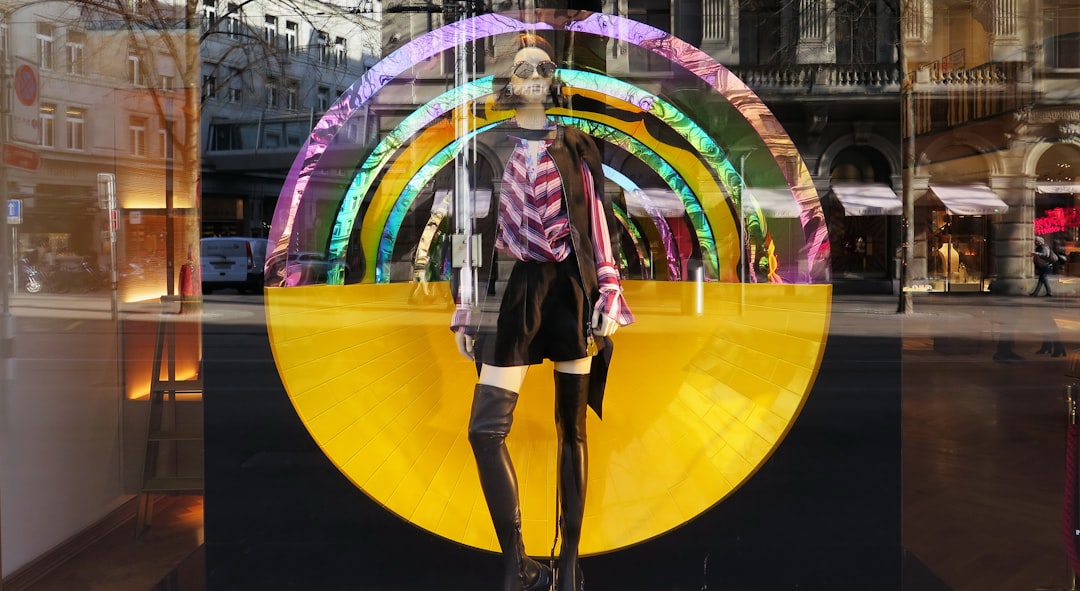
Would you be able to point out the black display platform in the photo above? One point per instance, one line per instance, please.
(822, 513)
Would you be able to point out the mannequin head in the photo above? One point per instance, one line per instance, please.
(531, 78)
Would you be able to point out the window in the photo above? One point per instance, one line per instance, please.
(767, 36)
(656, 13)
(323, 41)
(233, 22)
(236, 86)
(4, 33)
(137, 136)
(76, 50)
(134, 69)
(45, 45)
(270, 31)
(76, 124)
(1062, 45)
(341, 52)
(209, 86)
(166, 145)
(168, 82)
(209, 14)
(856, 32)
(271, 92)
(323, 98)
(48, 125)
(292, 96)
(292, 34)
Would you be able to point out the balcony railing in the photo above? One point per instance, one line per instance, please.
(820, 78)
(947, 98)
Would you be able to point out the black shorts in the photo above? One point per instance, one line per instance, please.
(543, 315)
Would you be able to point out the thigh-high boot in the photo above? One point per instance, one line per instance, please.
(492, 416)
(571, 396)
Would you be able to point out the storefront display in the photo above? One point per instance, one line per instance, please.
(761, 223)
(958, 224)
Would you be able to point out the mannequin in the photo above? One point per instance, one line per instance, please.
(950, 261)
(562, 300)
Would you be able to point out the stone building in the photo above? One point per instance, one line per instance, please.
(829, 71)
(994, 116)
(268, 74)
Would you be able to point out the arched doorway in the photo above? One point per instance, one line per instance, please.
(863, 214)
(1057, 215)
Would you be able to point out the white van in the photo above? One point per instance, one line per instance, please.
(232, 262)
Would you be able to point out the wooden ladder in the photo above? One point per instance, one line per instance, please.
(164, 436)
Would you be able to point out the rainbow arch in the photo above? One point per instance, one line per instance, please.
(468, 30)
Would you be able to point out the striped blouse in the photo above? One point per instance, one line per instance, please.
(534, 224)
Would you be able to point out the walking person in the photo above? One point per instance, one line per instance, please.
(1044, 259)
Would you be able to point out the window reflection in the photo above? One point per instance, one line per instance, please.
(201, 145)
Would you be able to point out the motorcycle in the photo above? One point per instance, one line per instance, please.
(77, 275)
(32, 278)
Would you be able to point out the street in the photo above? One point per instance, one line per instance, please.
(977, 461)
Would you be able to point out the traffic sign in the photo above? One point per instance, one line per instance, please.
(14, 211)
(21, 157)
(26, 85)
(24, 123)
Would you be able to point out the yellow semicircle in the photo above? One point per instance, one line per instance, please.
(703, 387)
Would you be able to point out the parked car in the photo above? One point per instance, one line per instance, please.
(232, 262)
(311, 267)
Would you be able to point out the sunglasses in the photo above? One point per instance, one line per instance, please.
(546, 69)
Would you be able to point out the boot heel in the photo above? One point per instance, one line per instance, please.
(541, 579)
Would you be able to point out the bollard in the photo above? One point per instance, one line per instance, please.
(1070, 402)
(1071, 391)
(7, 346)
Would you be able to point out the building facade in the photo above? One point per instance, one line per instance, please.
(269, 71)
(993, 113)
(101, 91)
(829, 72)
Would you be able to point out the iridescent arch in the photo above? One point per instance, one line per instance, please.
(649, 38)
(662, 226)
(614, 91)
(388, 228)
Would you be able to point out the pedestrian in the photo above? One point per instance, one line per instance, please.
(1044, 259)
(562, 301)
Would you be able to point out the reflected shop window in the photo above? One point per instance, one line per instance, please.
(813, 267)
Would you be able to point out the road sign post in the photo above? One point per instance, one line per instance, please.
(14, 212)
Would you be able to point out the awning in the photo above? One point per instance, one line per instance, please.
(481, 201)
(969, 199)
(1057, 187)
(773, 202)
(663, 202)
(867, 199)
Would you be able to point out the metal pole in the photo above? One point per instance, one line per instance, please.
(7, 320)
(170, 256)
(907, 139)
(1071, 419)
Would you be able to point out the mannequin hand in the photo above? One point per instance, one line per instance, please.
(464, 344)
(422, 289)
(603, 326)
(420, 279)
